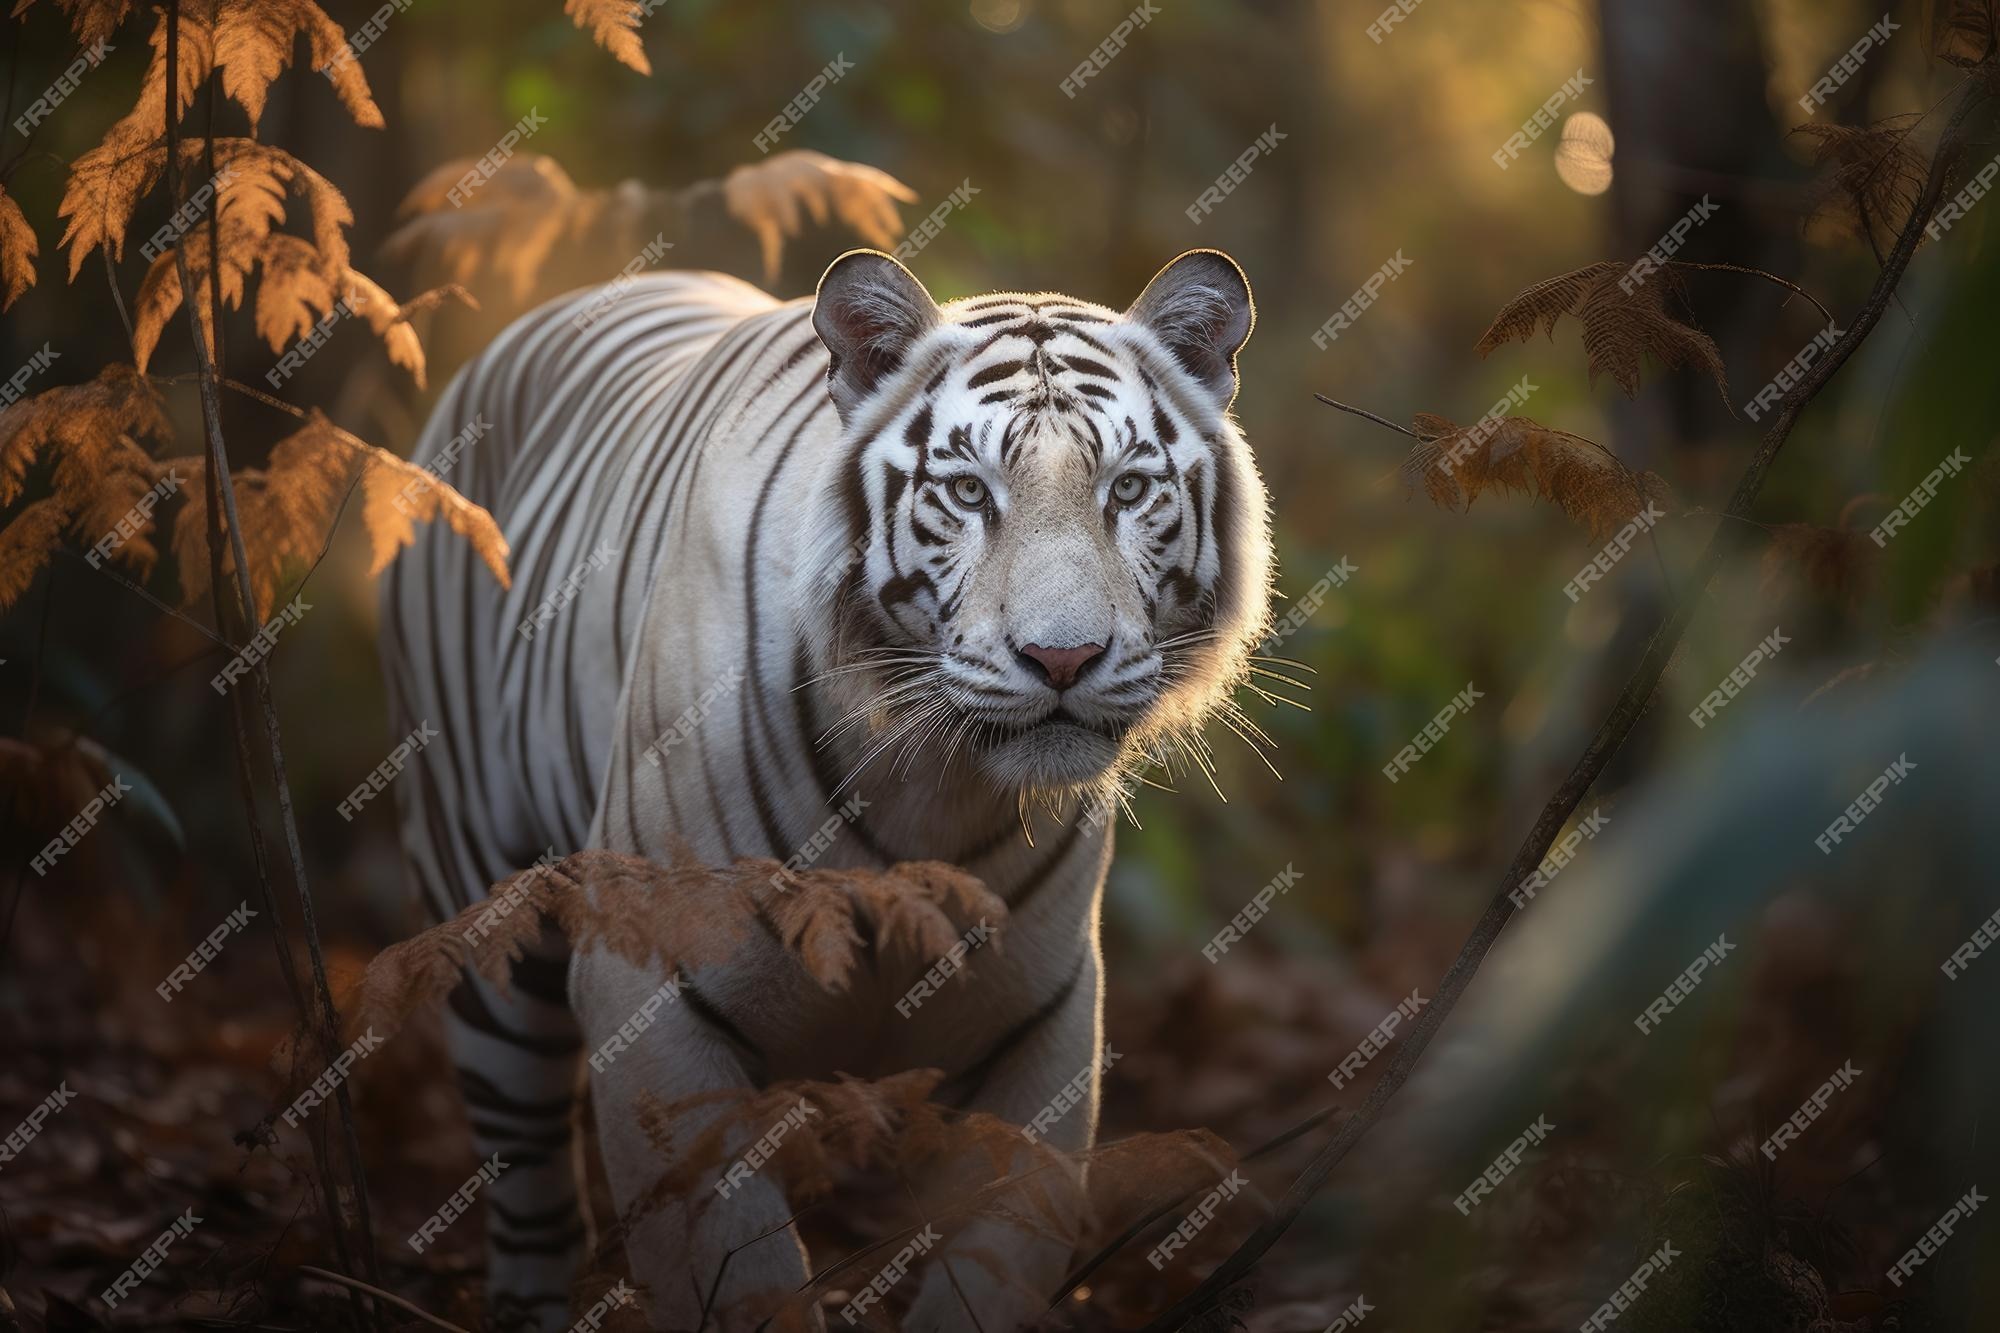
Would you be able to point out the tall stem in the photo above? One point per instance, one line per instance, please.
(222, 505)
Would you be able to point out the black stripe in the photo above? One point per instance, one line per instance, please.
(704, 1009)
(500, 1136)
(470, 1008)
(479, 1090)
(1045, 871)
(973, 1079)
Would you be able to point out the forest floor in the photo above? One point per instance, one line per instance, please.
(169, 1100)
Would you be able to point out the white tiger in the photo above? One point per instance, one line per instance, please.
(971, 563)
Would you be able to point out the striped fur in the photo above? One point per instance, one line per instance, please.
(800, 551)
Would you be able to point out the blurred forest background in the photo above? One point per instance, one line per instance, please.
(1387, 150)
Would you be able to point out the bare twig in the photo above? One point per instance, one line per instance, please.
(1364, 412)
(157, 604)
(1786, 283)
(356, 1284)
(1625, 714)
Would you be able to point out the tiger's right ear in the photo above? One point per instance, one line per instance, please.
(870, 312)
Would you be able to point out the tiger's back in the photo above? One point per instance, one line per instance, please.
(574, 429)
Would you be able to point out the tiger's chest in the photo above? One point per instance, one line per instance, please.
(867, 993)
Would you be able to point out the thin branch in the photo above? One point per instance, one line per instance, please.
(356, 1284)
(1364, 412)
(158, 605)
(1631, 705)
(236, 386)
(1786, 283)
(222, 504)
(118, 300)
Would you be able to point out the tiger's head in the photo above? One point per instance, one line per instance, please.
(1041, 546)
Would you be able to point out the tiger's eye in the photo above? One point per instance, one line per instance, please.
(1128, 489)
(969, 491)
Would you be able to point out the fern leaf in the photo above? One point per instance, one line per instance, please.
(773, 197)
(397, 494)
(254, 43)
(160, 293)
(76, 417)
(288, 509)
(506, 232)
(1963, 33)
(92, 21)
(18, 248)
(613, 25)
(26, 544)
(1875, 176)
(389, 320)
(1621, 323)
(1540, 306)
(109, 491)
(104, 187)
(1454, 464)
(294, 289)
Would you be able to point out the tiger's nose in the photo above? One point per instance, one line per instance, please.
(1061, 666)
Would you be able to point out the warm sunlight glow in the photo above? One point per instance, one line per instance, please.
(1583, 157)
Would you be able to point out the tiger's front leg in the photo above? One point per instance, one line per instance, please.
(698, 1256)
(1048, 1083)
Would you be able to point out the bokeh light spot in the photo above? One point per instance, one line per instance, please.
(1583, 155)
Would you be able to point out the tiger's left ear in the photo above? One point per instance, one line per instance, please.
(870, 311)
(1200, 307)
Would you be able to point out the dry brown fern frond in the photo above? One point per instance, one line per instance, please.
(251, 44)
(92, 21)
(528, 225)
(1875, 177)
(810, 1134)
(920, 907)
(295, 291)
(26, 544)
(1452, 464)
(773, 197)
(848, 1124)
(296, 288)
(613, 25)
(116, 489)
(390, 319)
(660, 917)
(288, 508)
(159, 295)
(147, 120)
(1626, 314)
(254, 43)
(500, 237)
(76, 418)
(1964, 32)
(396, 495)
(105, 185)
(253, 181)
(1540, 306)
(100, 472)
(18, 249)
